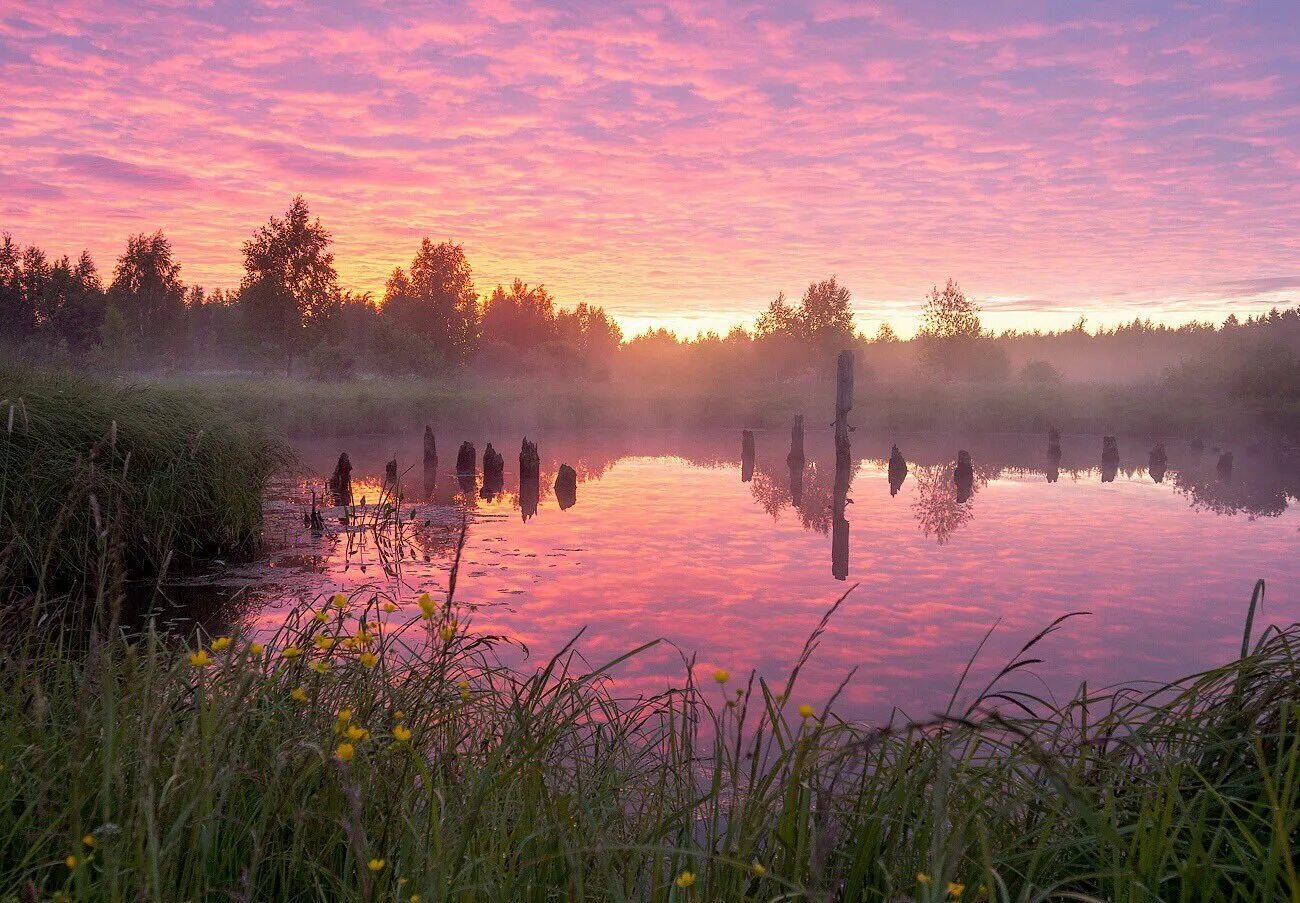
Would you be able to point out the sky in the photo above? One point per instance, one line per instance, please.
(680, 162)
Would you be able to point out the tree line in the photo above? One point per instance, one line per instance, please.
(290, 313)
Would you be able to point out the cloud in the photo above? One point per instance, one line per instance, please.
(120, 172)
(683, 162)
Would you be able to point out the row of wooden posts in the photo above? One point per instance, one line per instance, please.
(530, 471)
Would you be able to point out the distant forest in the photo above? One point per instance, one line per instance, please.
(289, 315)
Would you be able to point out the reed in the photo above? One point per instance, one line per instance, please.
(98, 481)
(375, 749)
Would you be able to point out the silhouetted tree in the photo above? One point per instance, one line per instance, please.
(885, 335)
(822, 320)
(952, 338)
(148, 294)
(825, 318)
(17, 312)
(70, 312)
(590, 332)
(290, 286)
(436, 301)
(523, 317)
(779, 321)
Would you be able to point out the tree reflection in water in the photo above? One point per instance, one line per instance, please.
(939, 506)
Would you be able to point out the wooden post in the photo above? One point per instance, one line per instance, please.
(566, 487)
(466, 462)
(746, 455)
(796, 442)
(844, 384)
(340, 483)
(839, 499)
(530, 475)
(843, 404)
(430, 449)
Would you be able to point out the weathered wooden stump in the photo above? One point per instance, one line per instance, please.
(897, 470)
(963, 475)
(1054, 444)
(1109, 459)
(796, 442)
(964, 472)
(530, 464)
(465, 459)
(494, 465)
(530, 478)
(746, 455)
(1158, 462)
(340, 482)
(566, 487)
(430, 449)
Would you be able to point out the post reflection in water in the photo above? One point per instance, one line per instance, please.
(666, 542)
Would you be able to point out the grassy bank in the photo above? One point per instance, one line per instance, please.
(361, 406)
(97, 481)
(368, 754)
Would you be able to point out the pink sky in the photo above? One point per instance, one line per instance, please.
(681, 162)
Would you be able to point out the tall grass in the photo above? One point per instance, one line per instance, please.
(133, 477)
(374, 750)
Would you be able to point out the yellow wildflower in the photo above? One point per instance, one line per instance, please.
(758, 868)
(71, 861)
(340, 600)
(221, 644)
(89, 840)
(464, 689)
(399, 715)
(390, 607)
(291, 652)
(722, 675)
(401, 734)
(201, 659)
(448, 631)
(358, 733)
(256, 648)
(299, 694)
(427, 608)
(345, 715)
(415, 898)
(955, 889)
(344, 752)
(806, 711)
(321, 616)
(324, 642)
(922, 878)
(320, 667)
(685, 879)
(376, 865)
(368, 659)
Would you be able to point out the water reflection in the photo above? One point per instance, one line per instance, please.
(1109, 459)
(667, 542)
(1158, 463)
(897, 471)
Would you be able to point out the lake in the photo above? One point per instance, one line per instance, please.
(666, 539)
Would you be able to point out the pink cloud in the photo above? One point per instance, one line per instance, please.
(681, 163)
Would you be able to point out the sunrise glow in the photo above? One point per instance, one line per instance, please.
(681, 163)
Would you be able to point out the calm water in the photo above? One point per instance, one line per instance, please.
(666, 540)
